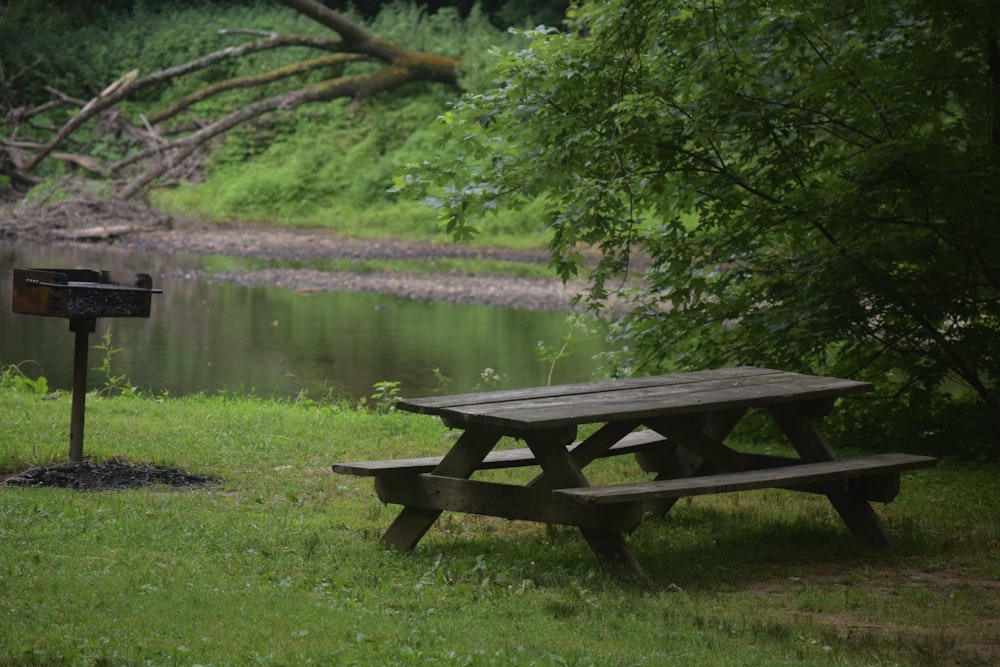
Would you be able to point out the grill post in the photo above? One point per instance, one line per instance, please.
(82, 327)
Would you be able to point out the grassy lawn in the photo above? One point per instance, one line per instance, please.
(279, 563)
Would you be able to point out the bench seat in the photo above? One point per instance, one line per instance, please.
(508, 458)
(792, 475)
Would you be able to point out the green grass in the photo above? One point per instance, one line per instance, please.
(280, 563)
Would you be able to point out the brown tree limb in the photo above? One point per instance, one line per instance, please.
(358, 39)
(358, 86)
(255, 80)
(114, 94)
(439, 68)
(356, 44)
(85, 161)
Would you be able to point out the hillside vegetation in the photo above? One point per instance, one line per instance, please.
(329, 165)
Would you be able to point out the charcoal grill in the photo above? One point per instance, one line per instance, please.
(82, 296)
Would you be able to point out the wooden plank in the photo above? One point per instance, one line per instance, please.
(508, 458)
(802, 474)
(653, 402)
(507, 501)
(686, 383)
(654, 397)
(433, 403)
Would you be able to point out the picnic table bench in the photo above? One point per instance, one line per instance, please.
(674, 425)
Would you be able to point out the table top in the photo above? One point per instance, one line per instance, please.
(632, 398)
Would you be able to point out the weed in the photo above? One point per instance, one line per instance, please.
(113, 384)
(491, 379)
(443, 382)
(549, 355)
(385, 396)
(12, 377)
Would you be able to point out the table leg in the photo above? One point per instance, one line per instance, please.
(853, 508)
(681, 461)
(561, 471)
(591, 448)
(461, 461)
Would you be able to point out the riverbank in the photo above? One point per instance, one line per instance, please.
(136, 227)
(297, 245)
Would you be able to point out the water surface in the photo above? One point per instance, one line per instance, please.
(211, 336)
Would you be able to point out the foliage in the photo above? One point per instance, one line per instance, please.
(330, 166)
(815, 185)
(335, 165)
(385, 395)
(333, 170)
(151, 143)
(114, 383)
(153, 575)
(81, 51)
(13, 378)
(78, 47)
(548, 355)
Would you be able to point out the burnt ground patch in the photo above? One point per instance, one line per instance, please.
(115, 473)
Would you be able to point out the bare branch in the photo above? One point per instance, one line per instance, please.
(442, 68)
(85, 161)
(242, 31)
(117, 93)
(355, 44)
(359, 86)
(256, 80)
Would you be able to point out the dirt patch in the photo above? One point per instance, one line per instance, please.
(113, 474)
(964, 640)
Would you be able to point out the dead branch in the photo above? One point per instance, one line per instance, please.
(255, 80)
(129, 85)
(399, 66)
(85, 161)
(359, 86)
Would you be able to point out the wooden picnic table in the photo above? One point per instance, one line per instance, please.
(675, 425)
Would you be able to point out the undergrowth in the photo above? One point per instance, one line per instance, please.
(327, 165)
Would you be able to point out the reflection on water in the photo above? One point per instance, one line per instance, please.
(213, 336)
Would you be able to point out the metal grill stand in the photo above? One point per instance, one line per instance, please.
(81, 295)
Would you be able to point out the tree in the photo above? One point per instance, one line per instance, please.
(154, 146)
(815, 184)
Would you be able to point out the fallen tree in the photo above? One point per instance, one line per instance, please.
(155, 145)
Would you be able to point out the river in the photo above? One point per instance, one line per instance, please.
(213, 336)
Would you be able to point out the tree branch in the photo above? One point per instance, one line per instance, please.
(256, 80)
(127, 85)
(359, 86)
(355, 44)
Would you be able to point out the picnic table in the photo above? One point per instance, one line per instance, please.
(674, 425)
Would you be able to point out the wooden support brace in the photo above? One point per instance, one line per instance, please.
(506, 501)
(461, 461)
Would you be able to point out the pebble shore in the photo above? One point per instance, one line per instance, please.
(496, 290)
